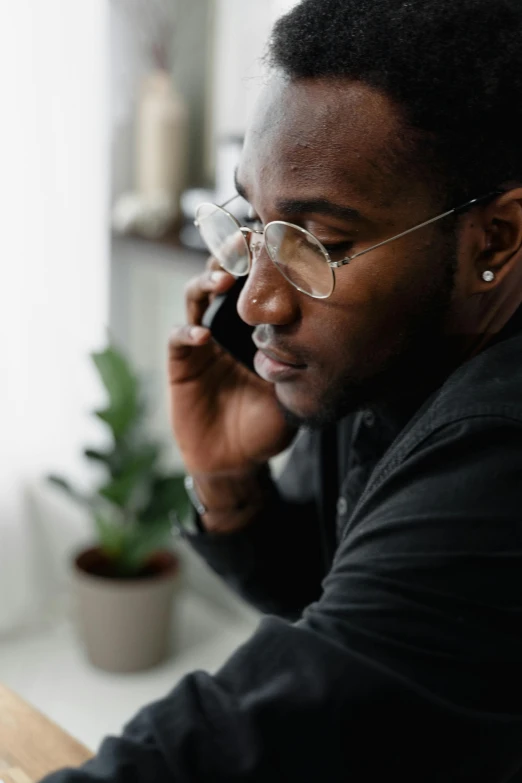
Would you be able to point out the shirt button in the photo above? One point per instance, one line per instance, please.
(342, 507)
(369, 418)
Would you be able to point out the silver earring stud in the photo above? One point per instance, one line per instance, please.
(488, 276)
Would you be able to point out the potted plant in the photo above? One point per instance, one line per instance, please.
(125, 584)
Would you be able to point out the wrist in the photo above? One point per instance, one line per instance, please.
(229, 501)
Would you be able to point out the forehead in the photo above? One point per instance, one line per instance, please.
(342, 137)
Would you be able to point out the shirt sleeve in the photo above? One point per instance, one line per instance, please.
(278, 562)
(407, 668)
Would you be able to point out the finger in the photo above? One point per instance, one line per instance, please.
(190, 348)
(200, 291)
(185, 338)
(213, 265)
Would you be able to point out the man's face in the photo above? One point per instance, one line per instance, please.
(337, 144)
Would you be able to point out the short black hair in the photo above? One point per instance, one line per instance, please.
(454, 67)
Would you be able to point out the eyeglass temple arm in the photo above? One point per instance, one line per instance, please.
(336, 264)
(230, 200)
(392, 239)
(218, 206)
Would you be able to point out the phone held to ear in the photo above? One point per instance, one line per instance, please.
(227, 328)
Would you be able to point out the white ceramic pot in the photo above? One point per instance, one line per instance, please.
(126, 624)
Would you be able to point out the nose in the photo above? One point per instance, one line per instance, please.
(267, 297)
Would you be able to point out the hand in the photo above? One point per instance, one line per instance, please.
(225, 418)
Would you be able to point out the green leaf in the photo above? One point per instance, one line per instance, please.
(120, 420)
(116, 375)
(123, 389)
(111, 536)
(122, 490)
(60, 482)
(66, 487)
(143, 541)
(167, 494)
(98, 456)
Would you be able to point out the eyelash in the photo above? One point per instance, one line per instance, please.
(341, 246)
(345, 247)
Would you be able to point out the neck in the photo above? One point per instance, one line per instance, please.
(483, 320)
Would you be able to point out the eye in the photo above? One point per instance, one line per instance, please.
(338, 250)
(253, 220)
(254, 223)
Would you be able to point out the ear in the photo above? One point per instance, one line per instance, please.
(495, 240)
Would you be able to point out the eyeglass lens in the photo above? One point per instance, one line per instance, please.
(224, 239)
(300, 258)
(296, 253)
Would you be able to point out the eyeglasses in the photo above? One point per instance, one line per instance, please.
(298, 255)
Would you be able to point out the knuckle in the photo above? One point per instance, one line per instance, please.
(213, 264)
(179, 335)
(192, 287)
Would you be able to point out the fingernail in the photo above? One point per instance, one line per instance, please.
(198, 332)
(218, 277)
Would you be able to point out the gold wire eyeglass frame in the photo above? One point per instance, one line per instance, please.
(246, 231)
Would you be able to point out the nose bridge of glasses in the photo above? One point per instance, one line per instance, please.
(255, 238)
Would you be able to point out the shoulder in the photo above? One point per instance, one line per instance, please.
(485, 391)
(488, 384)
(478, 408)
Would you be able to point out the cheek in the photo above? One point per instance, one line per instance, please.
(369, 298)
(377, 301)
(391, 282)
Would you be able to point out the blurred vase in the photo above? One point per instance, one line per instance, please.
(161, 139)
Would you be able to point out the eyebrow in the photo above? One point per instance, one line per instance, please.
(319, 206)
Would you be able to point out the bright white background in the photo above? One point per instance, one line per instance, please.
(54, 178)
(242, 30)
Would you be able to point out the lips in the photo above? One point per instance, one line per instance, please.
(275, 367)
(277, 356)
(279, 359)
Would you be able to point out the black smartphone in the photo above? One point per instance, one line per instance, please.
(227, 328)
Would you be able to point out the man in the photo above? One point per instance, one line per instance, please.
(390, 555)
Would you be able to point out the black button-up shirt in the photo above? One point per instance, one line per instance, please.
(393, 649)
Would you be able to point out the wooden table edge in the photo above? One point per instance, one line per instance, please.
(57, 748)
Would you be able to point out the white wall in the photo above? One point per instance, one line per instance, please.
(242, 32)
(128, 64)
(53, 257)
